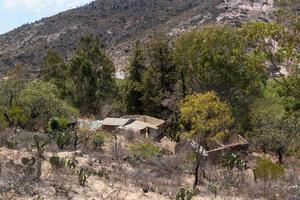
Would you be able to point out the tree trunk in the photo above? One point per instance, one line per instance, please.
(196, 174)
(203, 174)
(280, 157)
(38, 168)
(10, 123)
(76, 140)
(183, 83)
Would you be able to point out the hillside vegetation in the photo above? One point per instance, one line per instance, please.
(214, 86)
(119, 24)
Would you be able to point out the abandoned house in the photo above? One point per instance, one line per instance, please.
(143, 126)
(214, 151)
(136, 126)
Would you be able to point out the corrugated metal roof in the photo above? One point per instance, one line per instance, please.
(115, 122)
(92, 124)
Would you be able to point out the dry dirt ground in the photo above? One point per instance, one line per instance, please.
(121, 178)
(97, 188)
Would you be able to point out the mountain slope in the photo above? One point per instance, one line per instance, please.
(118, 23)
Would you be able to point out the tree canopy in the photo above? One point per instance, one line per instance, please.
(31, 103)
(202, 118)
(87, 80)
(218, 59)
(204, 115)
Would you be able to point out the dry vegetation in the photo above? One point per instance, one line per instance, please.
(115, 172)
(210, 86)
(118, 24)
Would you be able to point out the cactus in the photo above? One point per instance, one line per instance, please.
(70, 163)
(186, 194)
(214, 187)
(26, 162)
(82, 177)
(56, 162)
(28, 166)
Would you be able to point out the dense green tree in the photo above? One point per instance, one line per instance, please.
(152, 92)
(30, 104)
(228, 60)
(202, 117)
(151, 79)
(274, 119)
(87, 80)
(159, 77)
(159, 57)
(84, 85)
(41, 101)
(11, 112)
(275, 125)
(53, 66)
(54, 69)
(173, 127)
(92, 76)
(134, 81)
(182, 45)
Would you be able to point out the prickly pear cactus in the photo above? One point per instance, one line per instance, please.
(56, 162)
(26, 162)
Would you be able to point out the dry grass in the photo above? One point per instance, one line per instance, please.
(116, 176)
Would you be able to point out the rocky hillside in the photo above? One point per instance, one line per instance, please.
(118, 23)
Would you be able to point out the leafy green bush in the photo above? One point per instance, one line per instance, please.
(18, 116)
(58, 131)
(266, 170)
(98, 140)
(57, 124)
(30, 104)
(145, 150)
(41, 101)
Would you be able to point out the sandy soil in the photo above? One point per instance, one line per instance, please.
(97, 188)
